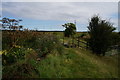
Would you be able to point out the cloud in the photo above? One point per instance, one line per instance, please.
(60, 0)
(0, 9)
(63, 11)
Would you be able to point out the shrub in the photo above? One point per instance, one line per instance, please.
(6, 40)
(42, 43)
(115, 38)
(30, 54)
(21, 69)
(100, 32)
(28, 39)
(48, 43)
(12, 56)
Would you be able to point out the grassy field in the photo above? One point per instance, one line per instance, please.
(73, 63)
(78, 63)
(68, 63)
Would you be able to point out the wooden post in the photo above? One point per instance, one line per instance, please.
(78, 42)
(72, 41)
(63, 40)
(63, 37)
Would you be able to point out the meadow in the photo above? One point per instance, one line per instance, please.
(34, 54)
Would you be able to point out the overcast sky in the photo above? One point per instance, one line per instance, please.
(51, 15)
(60, 0)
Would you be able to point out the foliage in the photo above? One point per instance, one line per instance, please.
(22, 38)
(13, 55)
(42, 43)
(17, 53)
(74, 63)
(22, 49)
(11, 24)
(70, 29)
(6, 40)
(115, 38)
(21, 58)
(21, 70)
(28, 39)
(100, 32)
(47, 44)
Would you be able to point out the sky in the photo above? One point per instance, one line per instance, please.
(60, 0)
(52, 15)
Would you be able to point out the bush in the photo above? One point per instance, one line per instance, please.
(115, 38)
(6, 40)
(48, 43)
(21, 69)
(15, 54)
(28, 39)
(100, 32)
(40, 43)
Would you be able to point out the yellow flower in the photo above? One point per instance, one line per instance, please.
(17, 46)
(30, 49)
(3, 52)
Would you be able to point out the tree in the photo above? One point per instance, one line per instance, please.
(100, 32)
(70, 30)
(119, 44)
(11, 24)
(115, 38)
(20, 27)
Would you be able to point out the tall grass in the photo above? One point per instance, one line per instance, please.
(77, 64)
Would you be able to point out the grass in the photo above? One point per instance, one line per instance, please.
(71, 63)
(77, 63)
